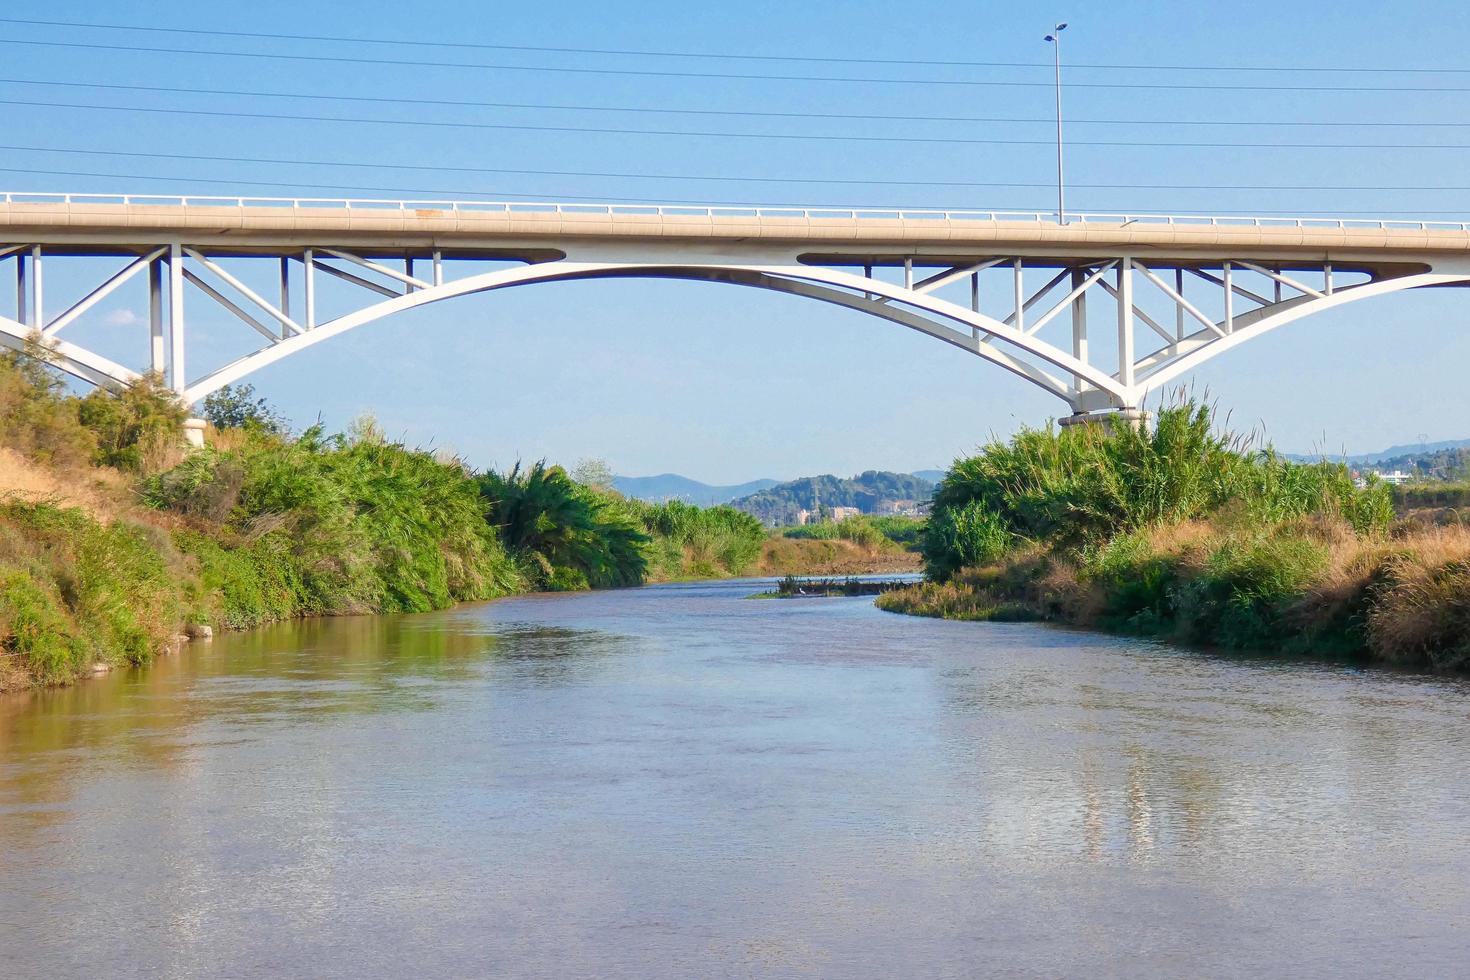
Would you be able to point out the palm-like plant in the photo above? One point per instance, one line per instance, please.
(555, 523)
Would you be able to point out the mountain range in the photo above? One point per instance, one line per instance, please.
(873, 492)
(672, 486)
(1391, 453)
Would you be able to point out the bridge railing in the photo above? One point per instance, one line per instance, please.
(1111, 219)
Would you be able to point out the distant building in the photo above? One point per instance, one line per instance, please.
(1396, 478)
(804, 516)
(843, 513)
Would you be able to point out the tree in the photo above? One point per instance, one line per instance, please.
(593, 473)
(570, 535)
(139, 428)
(236, 407)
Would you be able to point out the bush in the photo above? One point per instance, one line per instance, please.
(565, 535)
(77, 591)
(688, 541)
(37, 420)
(961, 537)
(140, 429)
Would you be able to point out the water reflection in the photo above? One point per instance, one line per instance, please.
(678, 781)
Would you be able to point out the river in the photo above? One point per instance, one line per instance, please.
(681, 782)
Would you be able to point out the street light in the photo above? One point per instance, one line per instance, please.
(1056, 41)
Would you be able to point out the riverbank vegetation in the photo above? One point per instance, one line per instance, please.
(1186, 533)
(114, 540)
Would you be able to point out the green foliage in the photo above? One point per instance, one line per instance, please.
(1085, 484)
(689, 541)
(906, 532)
(1415, 495)
(963, 536)
(74, 591)
(866, 530)
(237, 407)
(37, 419)
(565, 535)
(35, 626)
(137, 429)
(338, 526)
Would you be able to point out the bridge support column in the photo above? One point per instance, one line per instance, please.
(194, 432)
(176, 318)
(1134, 418)
(157, 355)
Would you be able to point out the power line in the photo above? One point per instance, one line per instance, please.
(727, 76)
(752, 113)
(819, 137)
(714, 56)
(442, 195)
(357, 164)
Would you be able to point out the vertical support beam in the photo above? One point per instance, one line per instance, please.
(176, 317)
(1277, 284)
(1179, 307)
(1020, 321)
(285, 285)
(22, 289)
(975, 303)
(157, 355)
(908, 272)
(1124, 275)
(438, 268)
(38, 294)
(408, 271)
(1079, 326)
(1327, 278)
(1229, 298)
(868, 274)
(308, 287)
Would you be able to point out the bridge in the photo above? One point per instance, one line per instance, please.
(1011, 288)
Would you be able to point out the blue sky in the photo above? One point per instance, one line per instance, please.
(725, 384)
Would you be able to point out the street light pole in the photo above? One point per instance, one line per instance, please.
(1056, 41)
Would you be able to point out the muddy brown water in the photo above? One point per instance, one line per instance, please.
(681, 782)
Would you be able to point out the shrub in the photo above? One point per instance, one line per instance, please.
(551, 523)
(37, 420)
(963, 536)
(139, 429)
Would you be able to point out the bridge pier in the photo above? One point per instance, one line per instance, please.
(1134, 418)
(194, 432)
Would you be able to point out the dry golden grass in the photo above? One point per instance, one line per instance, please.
(102, 493)
(1420, 614)
(806, 556)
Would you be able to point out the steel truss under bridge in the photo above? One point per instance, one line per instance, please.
(1099, 312)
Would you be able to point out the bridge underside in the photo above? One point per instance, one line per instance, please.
(1099, 325)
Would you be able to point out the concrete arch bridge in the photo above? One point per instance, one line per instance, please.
(1099, 311)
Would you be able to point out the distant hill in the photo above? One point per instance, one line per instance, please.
(933, 476)
(672, 486)
(1430, 459)
(778, 505)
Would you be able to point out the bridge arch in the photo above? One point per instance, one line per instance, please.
(1261, 273)
(923, 313)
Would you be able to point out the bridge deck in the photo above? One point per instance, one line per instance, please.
(81, 224)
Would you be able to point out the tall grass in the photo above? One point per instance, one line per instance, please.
(1084, 484)
(699, 542)
(565, 534)
(1189, 533)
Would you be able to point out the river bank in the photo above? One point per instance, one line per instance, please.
(115, 542)
(1190, 535)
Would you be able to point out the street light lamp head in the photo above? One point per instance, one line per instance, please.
(1049, 37)
(1060, 27)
